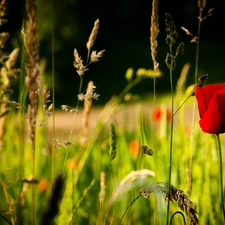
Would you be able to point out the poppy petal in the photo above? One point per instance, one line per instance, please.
(205, 94)
(213, 120)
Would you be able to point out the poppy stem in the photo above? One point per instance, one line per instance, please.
(191, 94)
(221, 172)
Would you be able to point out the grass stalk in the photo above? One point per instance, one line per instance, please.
(171, 141)
(53, 94)
(171, 64)
(128, 208)
(183, 218)
(194, 104)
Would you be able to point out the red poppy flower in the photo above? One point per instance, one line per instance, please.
(43, 185)
(134, 148)
(157, 114)
(211, 106)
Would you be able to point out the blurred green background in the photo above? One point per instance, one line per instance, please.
(124, 33)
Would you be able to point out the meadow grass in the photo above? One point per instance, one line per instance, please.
(161, 170)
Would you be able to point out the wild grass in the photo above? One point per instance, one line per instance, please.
(99, 174)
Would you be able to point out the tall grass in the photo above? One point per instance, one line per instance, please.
(99, 174)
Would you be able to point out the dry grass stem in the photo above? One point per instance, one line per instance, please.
(181, 83)
(154, 31)
(32, 63)
(103, 187)
(202, 4)
(87, 109)
(194, 38)
(3, 12)
(4, 36)
(12, 58)
(132, 180)
(8, 73)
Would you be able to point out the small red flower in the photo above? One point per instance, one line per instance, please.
(43, 185)
(211, 106)
(133, 145)
(157, 114)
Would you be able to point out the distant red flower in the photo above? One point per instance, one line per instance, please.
(157, 115)
(43, 185)
(211, 106)
(134, 148)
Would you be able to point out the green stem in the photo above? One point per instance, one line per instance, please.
(183, 102)
(221, 172)
(171, 143)
(128, 208)
(197, 48)
(194, 106)
(53, 95)
(80, 88)
(178, 212)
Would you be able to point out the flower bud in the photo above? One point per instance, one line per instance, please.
(202, 80)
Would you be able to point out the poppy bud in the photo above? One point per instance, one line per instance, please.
(202, 80)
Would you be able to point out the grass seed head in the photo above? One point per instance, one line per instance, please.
(177, 195)
(154, 31)
(180, 49)
(170, 61)
(170, 30)
(96, 55)
(93, 35)
(112, 142)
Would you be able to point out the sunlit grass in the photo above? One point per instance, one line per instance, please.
(107, 165)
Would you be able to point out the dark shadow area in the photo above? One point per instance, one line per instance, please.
(124, 32)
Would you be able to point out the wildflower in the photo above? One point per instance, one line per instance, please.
(133, 146)
(43, 185)
(211, 108)
(157, 115)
